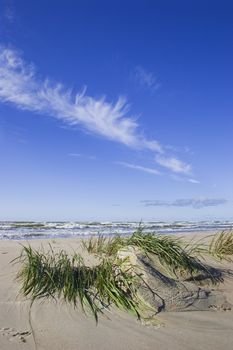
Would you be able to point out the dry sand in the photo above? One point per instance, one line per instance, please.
(54, 325)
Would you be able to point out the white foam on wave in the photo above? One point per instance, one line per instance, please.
(32, 230)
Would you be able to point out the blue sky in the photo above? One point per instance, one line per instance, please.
(116, 110)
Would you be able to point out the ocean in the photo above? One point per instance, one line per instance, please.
(31, 230)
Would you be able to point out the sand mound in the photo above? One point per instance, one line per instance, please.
(166, 293)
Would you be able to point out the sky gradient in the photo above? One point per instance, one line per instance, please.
(116, 110)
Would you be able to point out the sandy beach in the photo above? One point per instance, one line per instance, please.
(116, 174)
(56, 325)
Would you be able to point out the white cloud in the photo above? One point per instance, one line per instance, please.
(20, 86)
(9, 13)
(81, 155)
(174, 164)
(183, 178)
(140, 168)
(193, 181)
(78, 155)
(196, 203)
(145, 78)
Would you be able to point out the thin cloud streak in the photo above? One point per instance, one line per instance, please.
(193, 181)
(188, 202)
(146, 79)
(81, 155)
(139, 167)
(9, 13)
(174, 164)
(183, 178)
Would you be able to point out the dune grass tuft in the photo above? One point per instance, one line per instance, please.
(57, 275)
(221, 246)
(95, 245)
(172, 252)
(104, 246)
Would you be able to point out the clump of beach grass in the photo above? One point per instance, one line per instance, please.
(95, 245)
(172, 252)
(57, 275)
(104, 246)
(221, 246)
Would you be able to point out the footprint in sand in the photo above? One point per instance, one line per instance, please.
(13, 334)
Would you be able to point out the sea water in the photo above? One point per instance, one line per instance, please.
(31, 230)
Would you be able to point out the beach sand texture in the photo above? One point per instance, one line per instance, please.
(56, 325)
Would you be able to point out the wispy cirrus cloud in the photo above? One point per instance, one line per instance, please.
(194, 181)
(140, 168)
(188, 202)
(20, 86)
(81, 155)
(173, 164)
(181, 178)
(146, 79)
(9, 12)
